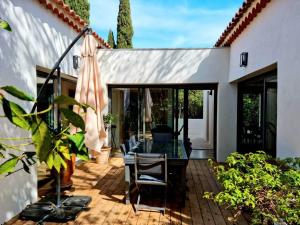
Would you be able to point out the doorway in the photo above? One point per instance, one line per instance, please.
(188, 110)
(257, 114)
(195, 118)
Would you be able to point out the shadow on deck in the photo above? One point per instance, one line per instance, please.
(105, 184)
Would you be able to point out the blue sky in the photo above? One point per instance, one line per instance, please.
(168, 23)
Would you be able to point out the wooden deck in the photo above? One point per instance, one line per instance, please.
(106, 186)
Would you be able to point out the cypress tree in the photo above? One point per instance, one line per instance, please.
(81, 7)
(111, 39)
(124, 28)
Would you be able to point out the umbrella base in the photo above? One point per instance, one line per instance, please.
(46, 210)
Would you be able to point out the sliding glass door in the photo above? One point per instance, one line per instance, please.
(188, 112)
(257, 114)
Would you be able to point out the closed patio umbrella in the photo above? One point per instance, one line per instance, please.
(148, 106)
(89, 91)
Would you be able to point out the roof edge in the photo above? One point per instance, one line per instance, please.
(64, 12)
(243, 17)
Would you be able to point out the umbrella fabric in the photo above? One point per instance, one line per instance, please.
(148, 105)
(89, 91)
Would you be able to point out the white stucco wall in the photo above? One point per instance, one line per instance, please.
(177, 66)
(38, 38)
(273, 37)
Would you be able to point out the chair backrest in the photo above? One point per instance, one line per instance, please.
(132, 141)
(151, 164)
(127, 146)
(162, 129)
(123, 149)
(161, 137)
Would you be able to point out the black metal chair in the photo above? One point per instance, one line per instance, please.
(162, 137)
(162, 134)
(151, 170)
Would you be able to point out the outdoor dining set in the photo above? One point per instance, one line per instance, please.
(158, 162)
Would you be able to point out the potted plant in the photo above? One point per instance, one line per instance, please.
(268, 189)
(103, 156)
(56, 149)
(108, 119)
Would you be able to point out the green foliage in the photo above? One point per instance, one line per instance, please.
(108, 118)
(17, 93)
(195, 103)
(73, 118)
(81, 7)
(111, 39)
(77, 145)
(42, 138)
(124, 27)
(15, 113)
(5, 25)
(51, 147)
(268, 188)
(251, 104)
(9, 165)
(68, 101)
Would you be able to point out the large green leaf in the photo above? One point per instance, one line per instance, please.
(64, 150)
(15, 114)
(42, 138)
(59, 162)
(83, 154)
(66, 100)
(9, 165)
(77, 139)
(50, 160)
(4, 25)
(73, 118)
(17, 93)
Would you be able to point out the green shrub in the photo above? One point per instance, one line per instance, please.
(267, 188)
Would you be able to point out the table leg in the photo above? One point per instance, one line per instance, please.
(183, 184)
(127, 184)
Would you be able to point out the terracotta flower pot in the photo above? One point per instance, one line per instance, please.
(103, 156)
(66, 174)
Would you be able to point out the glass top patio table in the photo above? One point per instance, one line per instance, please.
(174, 149)
(177, 162)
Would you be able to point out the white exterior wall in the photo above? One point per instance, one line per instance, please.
(38, 38)
(171, 66)
(273, 37)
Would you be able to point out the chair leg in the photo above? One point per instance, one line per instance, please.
(138, 203)
(138, 199)
(165, 201)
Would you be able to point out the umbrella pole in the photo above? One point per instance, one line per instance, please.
(78, 203)
(58, 188)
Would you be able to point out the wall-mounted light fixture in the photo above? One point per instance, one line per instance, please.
(76, 61)
(244, 59)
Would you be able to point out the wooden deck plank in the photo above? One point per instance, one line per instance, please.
(105, 184)
(203, 204)
(214, 209)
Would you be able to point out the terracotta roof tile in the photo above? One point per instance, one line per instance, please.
(66, 14)
(247, 12)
